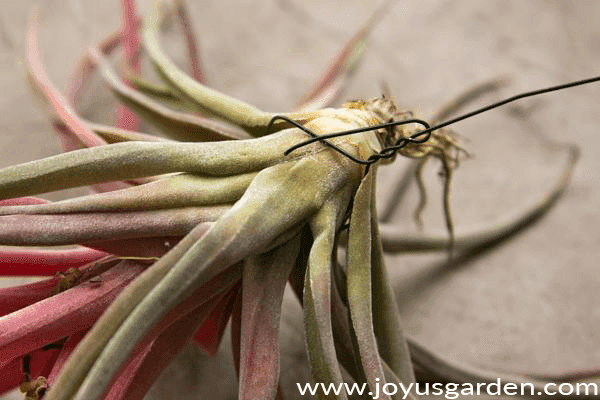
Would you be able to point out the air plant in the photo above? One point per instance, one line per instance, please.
(207, 224)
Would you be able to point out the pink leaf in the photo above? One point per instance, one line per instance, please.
(38, 262)
(22, 201)
(16, 297)
(264, 281)
(136, 247)
(86, 66)
(211, 331)
(74, 133)
(126, 119)
(58, 102)
(58, 316)
(326, 89)
(58, 229)
(188, 32)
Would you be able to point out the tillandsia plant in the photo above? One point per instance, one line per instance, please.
(207, 223)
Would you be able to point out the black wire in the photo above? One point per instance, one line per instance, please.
(385, 153)
(358, 130)
(418, 137)
(311, 133)
(506, 101)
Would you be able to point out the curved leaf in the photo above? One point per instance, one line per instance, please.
(391, 341)
(131, 160)
(327, 88)
(175, 124)
(126, 119)
(183, 190)
(207, 99)
(360, 302)
(149, 248)
(190, 39)
(42, 85)
(116, 135)
(317, 297)
(41, 262)
(264, 281)
(60, 229)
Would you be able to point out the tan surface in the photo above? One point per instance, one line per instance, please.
(530, 305)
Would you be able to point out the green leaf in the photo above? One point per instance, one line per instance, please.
(175, 124)
(388, 328)
(359, 284)
(205, 98)
(317, 298)
(131, 160)
(112, 134)
(182, 190)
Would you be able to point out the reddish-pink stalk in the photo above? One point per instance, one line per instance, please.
(192, 46)
(71, 311)
(41, 262)
(209, 335)
(236, 338)
(74, 133)
(58, 102)
(127, 119)
(327, 86)
(86, 66)
(17, 297)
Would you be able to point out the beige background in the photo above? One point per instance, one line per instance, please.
(530, 305)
